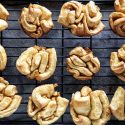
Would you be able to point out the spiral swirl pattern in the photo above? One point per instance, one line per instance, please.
(117, 19)
(9, 101)
(36, 20)
(46, 105)
(82, 64)
(37, 62)
(117, 62)
(83, 20)
(89, 107)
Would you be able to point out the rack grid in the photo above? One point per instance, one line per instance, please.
(15, 41)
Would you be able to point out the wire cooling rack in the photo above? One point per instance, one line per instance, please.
(15, 41)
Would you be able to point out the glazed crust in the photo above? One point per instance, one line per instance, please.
(117, 62)
(118, 104)
(83, 20)
(3, 58)
(46, 105)
(37, 62)
(117, 19)
(82, 64)
(9, 101)
(36, 20)
(3, 17)
(89, 107)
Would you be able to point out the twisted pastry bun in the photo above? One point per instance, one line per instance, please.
(37, 62)
(3, 17)
(36, 20)
(117, 105)
(82, 64)
(117, 63)
(120, 5)
(46, 105)
(89, 107)
(83, 20)
(117, 19)
(9, 101)
(3, 58)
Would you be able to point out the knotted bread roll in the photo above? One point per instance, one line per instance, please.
(117, 19)
(120, 5)
(9, 101)
(37, 62)
(117, 105)
(82, 64)
(117, 63)
(46, 105)
(3, 17)
(83, 20)
(89, 107)
(3, 58)
(36, 20)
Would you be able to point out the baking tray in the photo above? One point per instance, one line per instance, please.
(15, 41)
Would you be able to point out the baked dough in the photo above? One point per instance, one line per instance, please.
(82, 64)
(3, 17)
(3, 58)
(9, 101)
(37, 62)
(117, 19)
(36, 20)
(117, 105)
(117, 62)
(89, 107)
(120, 5)
(46, 105)
(83, 20)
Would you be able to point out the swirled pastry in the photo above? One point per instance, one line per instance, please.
(36, 20)
(83, 20)
(89, 107)
(117, 105)
(82, 64)
(3, 17)
(3, 58)
(46, 105)
(9, 101)
(37, 62)
(117, 19)
(120, 5)
(117, 63)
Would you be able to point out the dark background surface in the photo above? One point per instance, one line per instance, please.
(15, 41)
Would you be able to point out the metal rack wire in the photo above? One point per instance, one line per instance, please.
(15, 41)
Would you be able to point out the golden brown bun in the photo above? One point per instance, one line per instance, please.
(117, 22)
(117, 19)
(119, 5)
(82, 64)
(9, 101)
(36, 20)
(37, 62)
(3, 17)
(46, 105)
(117, 62)
(83, 20)
(3, 58)
(117, 105)
(89, 107)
